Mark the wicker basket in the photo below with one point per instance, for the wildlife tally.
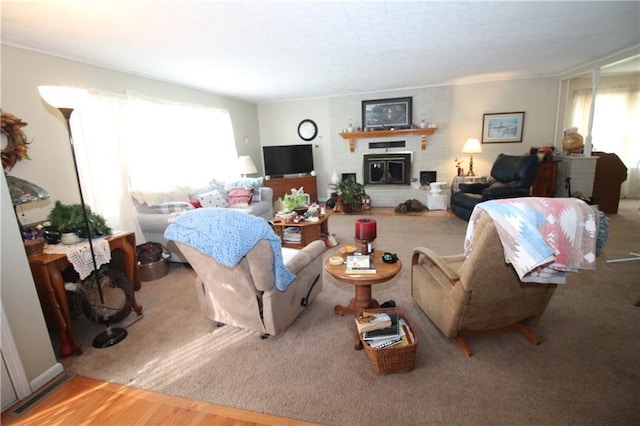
(392, 359)
(34, 247)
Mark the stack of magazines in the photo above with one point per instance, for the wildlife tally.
(384, 330)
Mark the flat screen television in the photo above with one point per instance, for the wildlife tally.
(280, 160)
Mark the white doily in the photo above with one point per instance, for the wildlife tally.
(79, 255)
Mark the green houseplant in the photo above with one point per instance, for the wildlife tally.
(297, 199)
(351, 195)
(69, 218)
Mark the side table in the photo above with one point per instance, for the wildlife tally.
(47, 270)
(308, 231)
(457, 180)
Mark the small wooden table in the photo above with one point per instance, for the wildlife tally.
(309, 231)
(47, 270)
(363, 283)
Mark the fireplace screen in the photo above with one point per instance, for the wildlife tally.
(387, 169)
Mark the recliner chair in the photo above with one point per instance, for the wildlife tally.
(478, 295)
(245, 294)
(511, 176)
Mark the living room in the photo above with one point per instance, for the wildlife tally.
(457, 111)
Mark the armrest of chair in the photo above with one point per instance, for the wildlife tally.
(504, 192)
(439, 261)
(266, 194)
(305, 256)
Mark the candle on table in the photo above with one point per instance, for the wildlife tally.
(366, 229)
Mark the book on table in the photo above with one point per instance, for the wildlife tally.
(368, 321)
(359, 264)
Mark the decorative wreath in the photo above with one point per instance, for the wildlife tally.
(16, 148)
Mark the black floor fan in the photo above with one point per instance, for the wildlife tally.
(65, 99)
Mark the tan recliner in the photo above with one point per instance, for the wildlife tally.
(246, 296)
(479, 295)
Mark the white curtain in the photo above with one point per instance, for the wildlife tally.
(127, 142)
(616, 128)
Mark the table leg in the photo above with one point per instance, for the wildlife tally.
(68, 343)
(363, 300)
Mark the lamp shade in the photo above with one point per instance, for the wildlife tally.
(246, 165)
(63, 97)
(23, 192)
(472, 146)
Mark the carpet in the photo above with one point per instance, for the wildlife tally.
(586, 370)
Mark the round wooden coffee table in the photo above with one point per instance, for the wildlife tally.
(363, 282)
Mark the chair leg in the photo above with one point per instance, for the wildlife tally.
(519, 326)
(463, 345)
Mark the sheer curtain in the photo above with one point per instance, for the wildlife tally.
(616, 128)
(129, 142)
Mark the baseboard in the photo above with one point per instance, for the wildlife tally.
(44, 378)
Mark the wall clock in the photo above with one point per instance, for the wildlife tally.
(307, 130)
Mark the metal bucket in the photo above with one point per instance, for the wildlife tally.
(154, 270)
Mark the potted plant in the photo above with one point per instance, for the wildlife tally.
(351, 195)
(297, 200)
(69, 218)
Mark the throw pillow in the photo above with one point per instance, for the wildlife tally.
(247, 183)
(240, 197)
(215, 198)
(195, 203)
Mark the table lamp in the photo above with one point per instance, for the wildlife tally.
(246, 166)
(23, 192)
(472, 146)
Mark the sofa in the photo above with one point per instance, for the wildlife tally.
(155, 210)
(511, 177)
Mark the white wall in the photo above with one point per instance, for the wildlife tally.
(19, 296)
(279, 126)
(456, 110)
(536, 97)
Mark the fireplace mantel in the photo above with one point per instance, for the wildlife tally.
(423, 133)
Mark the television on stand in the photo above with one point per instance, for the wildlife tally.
(283, 160)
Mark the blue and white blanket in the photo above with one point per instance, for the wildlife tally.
(228, 235)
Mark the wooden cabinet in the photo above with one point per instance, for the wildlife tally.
(423, 133)
(283, 186)
(545, 183)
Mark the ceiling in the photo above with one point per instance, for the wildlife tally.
(263, 51)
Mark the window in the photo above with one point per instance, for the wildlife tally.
(616, 127)
(125, 142)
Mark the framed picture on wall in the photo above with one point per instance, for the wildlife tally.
(387, 113)
(502, 127)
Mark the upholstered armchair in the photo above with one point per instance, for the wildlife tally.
(511, 177)
(247, 291)
(478, 295)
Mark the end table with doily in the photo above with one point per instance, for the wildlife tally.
(47, 269)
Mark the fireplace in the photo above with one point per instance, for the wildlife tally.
(387, 168)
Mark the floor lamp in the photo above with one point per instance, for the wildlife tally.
(66, 99)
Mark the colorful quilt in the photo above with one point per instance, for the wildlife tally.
(543, 238)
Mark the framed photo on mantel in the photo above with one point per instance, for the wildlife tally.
(502, 127)
(387, 113)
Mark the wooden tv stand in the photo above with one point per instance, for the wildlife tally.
(283, 186)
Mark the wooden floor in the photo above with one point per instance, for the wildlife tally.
(85, 401)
